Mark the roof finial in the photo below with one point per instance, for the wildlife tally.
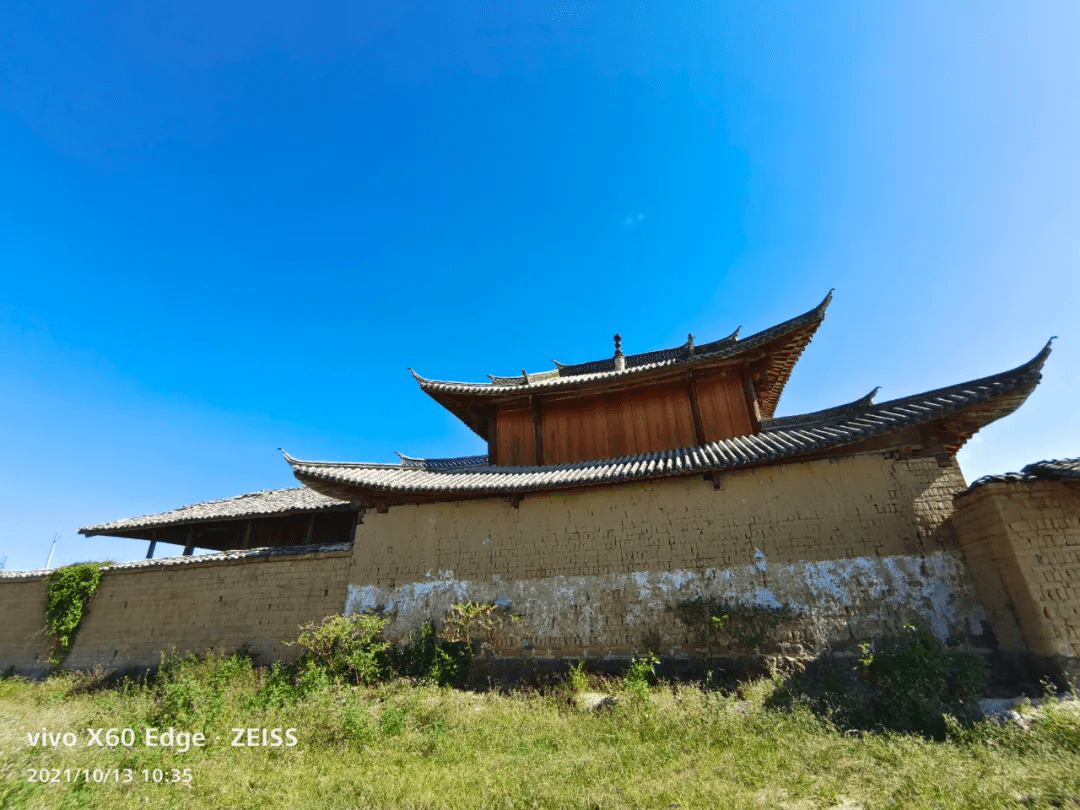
(620, 358)
(690, 342)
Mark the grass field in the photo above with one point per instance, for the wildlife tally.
(405, 744)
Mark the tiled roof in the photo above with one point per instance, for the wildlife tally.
(194, 559)
(1056, 469)
(777, 348)
(252, 504)
(580, 373)
(963, 409)
(1062, 469)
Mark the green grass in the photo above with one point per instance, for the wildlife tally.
(400, 744)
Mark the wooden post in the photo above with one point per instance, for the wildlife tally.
(153, 545)
(310, 530)
(493, 440)
(247, 534)
(190, 547)
(751, 402)
(695, 410)
(538, 425)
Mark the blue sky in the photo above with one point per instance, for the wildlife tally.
(230, 227)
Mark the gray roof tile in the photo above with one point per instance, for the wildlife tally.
(251, 504)
(1061, 469)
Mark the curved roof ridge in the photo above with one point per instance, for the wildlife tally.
(849, 408)
(569, 373)
(1032, 368)
(441, 463)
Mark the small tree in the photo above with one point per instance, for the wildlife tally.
(348, 647)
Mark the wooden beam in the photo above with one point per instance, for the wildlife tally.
(153, 545)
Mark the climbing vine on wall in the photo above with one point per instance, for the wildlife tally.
(68, 592)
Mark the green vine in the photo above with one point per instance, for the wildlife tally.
(748, 625)
(68, 592)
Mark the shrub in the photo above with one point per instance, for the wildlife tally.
(908, 682)
(344, 647)
(482, 618)
(432, 659)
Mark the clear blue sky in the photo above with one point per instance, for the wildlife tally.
(230, 227)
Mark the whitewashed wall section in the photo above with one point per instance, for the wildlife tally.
(850, 599)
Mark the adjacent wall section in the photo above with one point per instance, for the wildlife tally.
(856, 546)
(1021, 541)
(221, 601)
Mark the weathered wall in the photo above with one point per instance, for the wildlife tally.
(1021, 541)
(218, 601)
(23, 644)
(857, 545)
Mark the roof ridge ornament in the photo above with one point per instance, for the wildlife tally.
(690, 343)
(620, 358)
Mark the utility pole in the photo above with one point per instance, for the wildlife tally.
(56, 537)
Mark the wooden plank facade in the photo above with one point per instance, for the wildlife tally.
(565, 429)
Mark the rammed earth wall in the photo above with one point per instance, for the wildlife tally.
(191, 604)
(855, 546)
(1021, 542)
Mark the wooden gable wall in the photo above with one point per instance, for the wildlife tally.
(618, 423)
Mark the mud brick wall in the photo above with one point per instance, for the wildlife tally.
(858, 545)
(190, 604)
(23, 644)
(1021, 542)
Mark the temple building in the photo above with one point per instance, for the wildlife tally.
(613, 491)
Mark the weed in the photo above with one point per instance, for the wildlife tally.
(579, 678)
(392, 721)
(357, 723)
(639, 675)
(908, 682)
(747, 625)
